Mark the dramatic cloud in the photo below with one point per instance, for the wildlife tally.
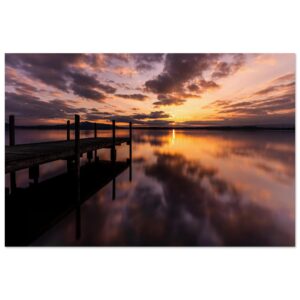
(274, 104)
(203, 85)
(153, 118)
(184, 73)
(87, 86)
(152, 115)
(26, 106)
(262, 90)
(146, 61)
(21, 87)
(166, 100)
(50, 69)
(179, 69)
(57, 70)
(275, 88)
(278, 110)
(88, 93)
(139, 97)
(224, 69)
(261, 107)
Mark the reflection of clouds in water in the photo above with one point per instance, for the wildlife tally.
(209, 188)
(201, 209)
(154, 137)
(272, 153)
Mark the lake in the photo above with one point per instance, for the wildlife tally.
(189, 188)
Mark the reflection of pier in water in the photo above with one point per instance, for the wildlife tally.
(31, 211)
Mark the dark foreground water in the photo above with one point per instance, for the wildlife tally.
(206, 188)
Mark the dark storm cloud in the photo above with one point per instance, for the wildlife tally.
(27, 106)
(94, 114)
(194, 87)
(87, 86)
(139, 97)
(179, 69)
(146, 61)
(50, 69)
(84, 80)
(224, 69)
(88, 93)
(166, 100)
(203, 86)
(59, 71)
(153, 118)
(107, 88)
(142, 121)
(153, 115)
(208, 84)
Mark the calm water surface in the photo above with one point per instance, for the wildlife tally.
(212, 188)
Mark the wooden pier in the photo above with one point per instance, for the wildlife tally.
(32, 155)
(72, 188)
(27, 155)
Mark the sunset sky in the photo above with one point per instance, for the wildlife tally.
(152, 89)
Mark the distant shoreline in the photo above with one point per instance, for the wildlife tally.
(90, 126)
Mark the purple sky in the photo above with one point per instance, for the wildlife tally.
(152, 89)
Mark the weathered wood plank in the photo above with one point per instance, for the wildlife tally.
(26, 155)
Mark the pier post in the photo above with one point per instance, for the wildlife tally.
(89, 155)
(113, 155)
(95, 130)
(114, 186)
(68, 130)
(69, 160)
(34, 173)
(95, 136)
(13, 184)
(113, 152)
(130, 151)
(77, 173)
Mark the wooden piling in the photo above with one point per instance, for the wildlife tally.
(113, 155)
(130, 151)
(114, 132)
(69, 160)
(11, 130)
(89, 155)
(77, 173)
(114, 187)
(113, 158)
(95, 136)
(13, 184)
(68, 130)
(95, 130)
(34, 173)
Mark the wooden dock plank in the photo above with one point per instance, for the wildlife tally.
(26, 155)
